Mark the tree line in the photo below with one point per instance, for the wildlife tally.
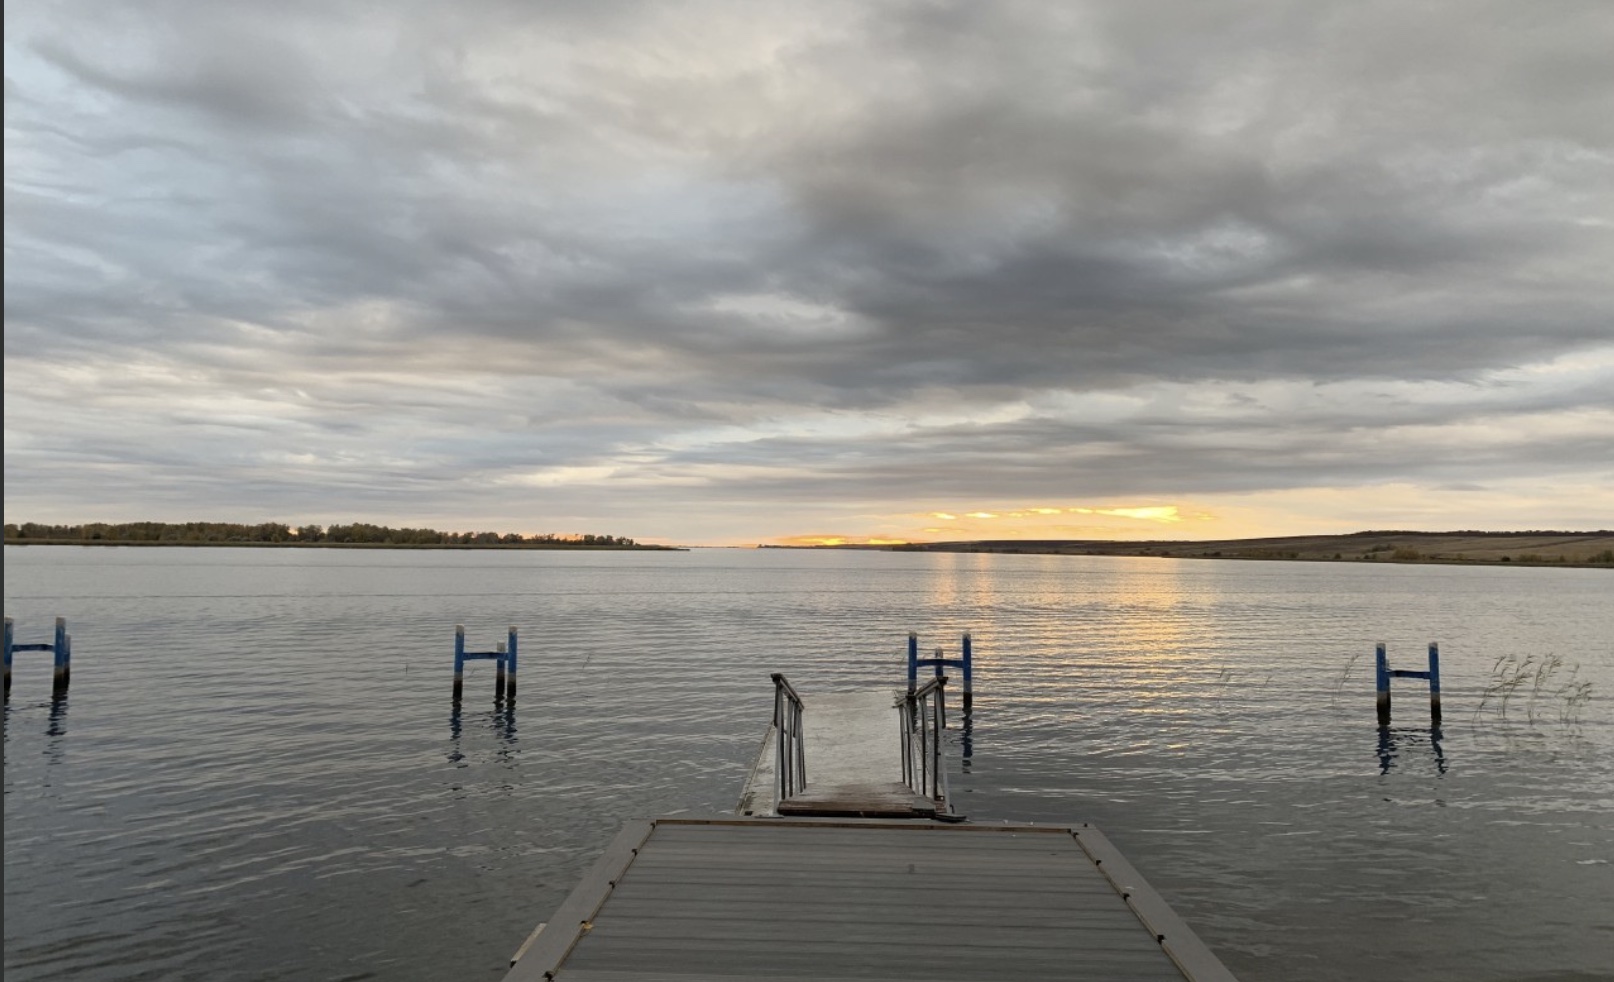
(276, 532)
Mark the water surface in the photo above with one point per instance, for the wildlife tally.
(258, 775)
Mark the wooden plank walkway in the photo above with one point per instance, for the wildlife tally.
(787, 900)
(854, 763)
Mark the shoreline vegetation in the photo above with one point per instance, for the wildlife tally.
(359, 535)
(1542, 548)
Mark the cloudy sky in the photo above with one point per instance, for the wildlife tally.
(721, 273)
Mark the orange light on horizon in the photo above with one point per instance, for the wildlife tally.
(839, 540)
(1150, 513)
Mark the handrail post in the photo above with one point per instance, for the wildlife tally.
(903, 740)
(801, 748)
(782, 778)
(922, 711)
(781, 750)
(924, 755)
(790, 754)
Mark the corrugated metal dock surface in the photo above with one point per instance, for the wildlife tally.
(826, 899)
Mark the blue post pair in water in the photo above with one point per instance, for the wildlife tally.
(61, 647)
(964, 661)
(504, 655)
(1384, 673)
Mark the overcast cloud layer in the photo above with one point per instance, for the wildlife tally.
(719, 273)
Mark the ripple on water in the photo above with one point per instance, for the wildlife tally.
(258, 774)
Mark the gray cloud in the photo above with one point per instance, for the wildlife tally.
(596, 260)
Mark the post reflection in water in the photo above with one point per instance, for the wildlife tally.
(1390, 745)
(58, 717)
(500, 720)
(966, 740)
(56, 731)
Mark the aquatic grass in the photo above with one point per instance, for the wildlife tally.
(1576, 693)
(1543, 678)
(1511, 675)
(1344, 677)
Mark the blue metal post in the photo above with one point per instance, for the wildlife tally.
(969, 677)
(8, 656)
(1434, 683)
(1382, 679)
(913, 661)
(510, 688)
(62, 673)
(459, 660)
(498, 679)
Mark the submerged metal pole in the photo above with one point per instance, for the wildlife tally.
(498, 680)
(510, 690)
(9, 630)
(1382, 679)
(913, 661)
(459, 661)
(1434, 683)
(62, 673)
(969, 676)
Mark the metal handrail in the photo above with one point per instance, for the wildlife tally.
(923, 711)
(790, 742)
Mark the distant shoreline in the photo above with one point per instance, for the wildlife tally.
(509, 546)
(1589, 550)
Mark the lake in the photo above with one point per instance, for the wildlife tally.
(258, 773)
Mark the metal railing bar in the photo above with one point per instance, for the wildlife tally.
(923, 711)
(790, 749)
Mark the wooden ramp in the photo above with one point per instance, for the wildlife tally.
(787, 900)
(853, 761)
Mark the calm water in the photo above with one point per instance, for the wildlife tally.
(257, 774)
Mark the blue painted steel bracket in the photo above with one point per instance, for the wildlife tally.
(505, 658)
(61, 648)
(1383, 673)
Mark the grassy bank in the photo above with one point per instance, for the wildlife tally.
(1584, 549)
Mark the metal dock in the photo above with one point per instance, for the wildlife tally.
(844, 861)
(826, 899)
(851, 738)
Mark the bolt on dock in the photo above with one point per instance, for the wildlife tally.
(844, 860)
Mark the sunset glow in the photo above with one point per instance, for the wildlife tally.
(864, 273)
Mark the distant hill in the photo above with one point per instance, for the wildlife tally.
(1543, 548)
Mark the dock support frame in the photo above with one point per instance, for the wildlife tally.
(1383, 673)
(965, 663)
(61, 647)
(503, 656)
